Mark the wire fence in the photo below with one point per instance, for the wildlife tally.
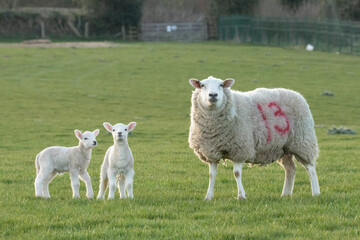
(331, 36)
(193, 31)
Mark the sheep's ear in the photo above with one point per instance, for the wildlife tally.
(195, 83)
(131, 126)
(96, 132)
(107, 126)
(78, 134)
(228, 82)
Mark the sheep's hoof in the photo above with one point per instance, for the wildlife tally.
(241, 198)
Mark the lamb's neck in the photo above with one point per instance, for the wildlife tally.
(121, 146)
(84, 152)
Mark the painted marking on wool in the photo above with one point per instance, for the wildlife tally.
(268, 138)
(278, 113)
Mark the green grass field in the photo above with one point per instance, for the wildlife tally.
(46, 93)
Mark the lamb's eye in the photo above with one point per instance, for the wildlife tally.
(113, 130)
(125, 129)
(202, 85)
(85, 138)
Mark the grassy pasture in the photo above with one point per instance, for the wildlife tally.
(46, 93)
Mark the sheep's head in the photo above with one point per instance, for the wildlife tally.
(211, 90)
(119, 131)
(87, 139)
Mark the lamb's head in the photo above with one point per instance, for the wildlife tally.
(119, 131)
(87, 139)
(211, 90)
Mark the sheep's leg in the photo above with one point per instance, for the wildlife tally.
(237, 173)
(129, 179)
(40, 182)
(102, 187)
(86, 178)
(311, 170)
(121, 186)
(46, 182)
(103, 182)
(75, 184)
(289, 166)
(212, 177)
(112, 184)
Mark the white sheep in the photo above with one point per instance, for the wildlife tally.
(118, 163)
(257, 127)
(53, 160)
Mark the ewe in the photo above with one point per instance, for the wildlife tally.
(257, 127)
(53, 160)
(118, 163)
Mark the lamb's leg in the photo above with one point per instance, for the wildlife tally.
(289, 166)
(75, 184)
(237, 173)
(212, 177)
(121, 186)
(129, 179)
(47, 181)
(40, 182)
(103, 182)
(86, 178)
(112, 184)
(311, 170)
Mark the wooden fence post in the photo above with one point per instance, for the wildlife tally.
(86, 30)
(42, 26)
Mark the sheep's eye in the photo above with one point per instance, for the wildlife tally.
(202, 85)
(125, 129)
(113, 130)
(85, 138)
(222, 85)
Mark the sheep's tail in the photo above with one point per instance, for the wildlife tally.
(37, 164)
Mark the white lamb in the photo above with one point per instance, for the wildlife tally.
(257, 127)
(118, 163)
(53, 160)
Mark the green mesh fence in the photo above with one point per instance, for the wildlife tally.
(332, 36)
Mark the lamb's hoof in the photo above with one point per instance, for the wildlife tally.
(100, 198)
(240, 198)
(316, 194)
(208, 198)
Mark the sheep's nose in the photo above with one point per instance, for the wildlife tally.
(213, 95)
(119, 133)
(94, 142)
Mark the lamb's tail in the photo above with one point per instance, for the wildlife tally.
(37, 164)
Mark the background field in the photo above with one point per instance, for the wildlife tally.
(46, 93)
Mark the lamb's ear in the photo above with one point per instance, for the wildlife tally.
(131, 126)
(228, 82)
(96, 132)
(78, 134)
(108, 126)
(195, 83)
